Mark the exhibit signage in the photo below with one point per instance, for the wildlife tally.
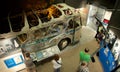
(14, 61)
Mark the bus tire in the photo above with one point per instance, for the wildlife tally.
(63, 44)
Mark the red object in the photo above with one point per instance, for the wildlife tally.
(106, 21)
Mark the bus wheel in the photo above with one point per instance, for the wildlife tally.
(63, 44)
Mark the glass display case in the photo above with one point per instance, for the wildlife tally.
(7, 46)
(43, 54)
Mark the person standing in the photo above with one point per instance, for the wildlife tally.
(100, 36)
(83, 67)
(57, 63)
(84, 56)
(30, 66)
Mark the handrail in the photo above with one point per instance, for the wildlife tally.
(102, 25)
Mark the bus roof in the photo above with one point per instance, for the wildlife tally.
(66, 12)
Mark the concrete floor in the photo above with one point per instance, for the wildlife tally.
(70, 56)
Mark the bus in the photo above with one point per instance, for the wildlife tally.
(45, 32)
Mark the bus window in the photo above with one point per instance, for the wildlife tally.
(55, 28)
(73, 24)
(37, 34)
(76, 24)
(5, 26)
(17, 23)
(22, 37)
(32, 19)
(45, 31)
(67, 12)
(61, 26)
(56, 13)
(70, 25)
(43, 15)
(40, 33)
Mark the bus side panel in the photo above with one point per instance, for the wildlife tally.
(77, 34)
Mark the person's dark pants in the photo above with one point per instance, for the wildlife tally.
(57, 70)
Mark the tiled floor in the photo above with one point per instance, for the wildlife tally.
(70, 56)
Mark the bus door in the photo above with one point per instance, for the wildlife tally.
(73, 29)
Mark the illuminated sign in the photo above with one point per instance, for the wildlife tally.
(14, 61)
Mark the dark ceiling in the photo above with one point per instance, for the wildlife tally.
(109, 4)
(7, 5)
(17, 5)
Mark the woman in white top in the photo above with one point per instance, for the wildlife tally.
(57, 63)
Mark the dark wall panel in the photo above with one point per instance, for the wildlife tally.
(115, 19)
(114, 23)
